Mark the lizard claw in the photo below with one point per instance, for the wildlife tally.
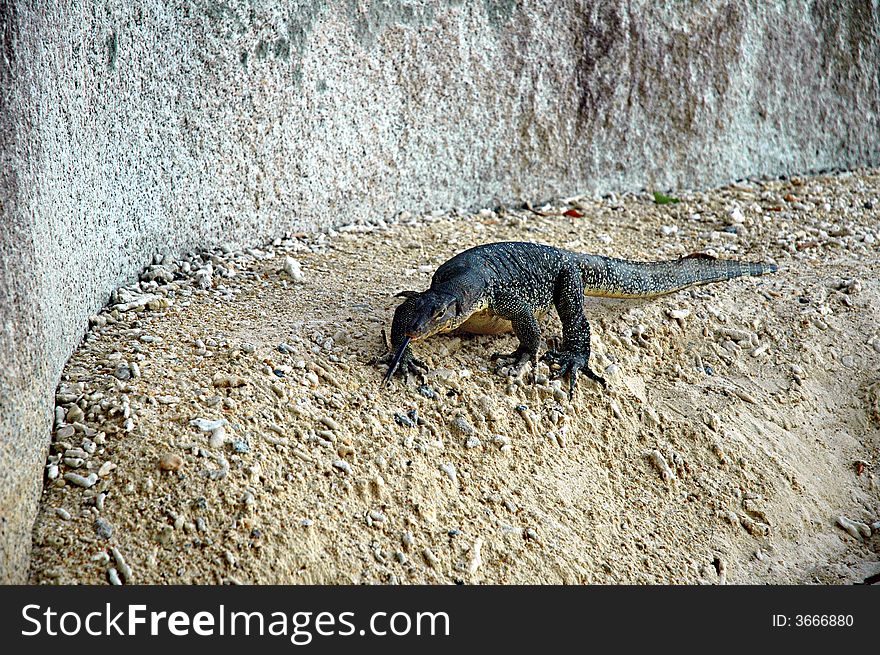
(402, 361)
(570, 363)
(517, 360)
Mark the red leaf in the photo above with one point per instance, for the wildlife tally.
(574, 213)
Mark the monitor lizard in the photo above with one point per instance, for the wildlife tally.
(505, 286)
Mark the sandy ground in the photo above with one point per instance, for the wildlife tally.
(234, 428)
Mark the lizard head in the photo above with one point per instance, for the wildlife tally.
(427, 313)
(421, 315)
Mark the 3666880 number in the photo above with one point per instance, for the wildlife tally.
(823, 620)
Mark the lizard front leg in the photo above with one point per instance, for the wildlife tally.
(568, 297)
(526, 329)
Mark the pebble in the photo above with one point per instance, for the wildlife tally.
(106, 468)
(74, 414)
(662, 465)
(461, 425)
(113, 576)
(293, 268)
(855, 528)
(121, 565)
(203, 278)
(432, 560)
(122, 372)
(206, 425)
(472, 442)
(64, 432)
(80, 481)
(342, 465)
(736, 216)
(329, 422)
(223, 380)
(103, 528)
(62, 513)
(403, 421)
(170, 462)
(449, 469)
(476, 559)
(427, 392)
(101, 557)
(745, 395)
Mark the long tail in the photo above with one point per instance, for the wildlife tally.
(621, 278)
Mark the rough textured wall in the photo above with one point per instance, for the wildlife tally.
(130, 128)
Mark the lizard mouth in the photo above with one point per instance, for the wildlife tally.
(395, 361)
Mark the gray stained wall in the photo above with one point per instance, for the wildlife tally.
(128, 128)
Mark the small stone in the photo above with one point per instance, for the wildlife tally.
(472, 442)
(102, 528)
(449, 469)
(170, 462)
(122, 371)
(403, 421)
(80, 481)
(113, 576)
(293, 268)
(64, 432)
(124, 568)
(105, 469)
(476, 559)
(461, 425)
(329, 422)
(662, 465)
(427, 392)
(856, 529)
(222, 380)
(432, 560)
(342, 465)
(206, 425)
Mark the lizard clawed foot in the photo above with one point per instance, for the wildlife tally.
(569, 364)
(408, 366)
(517, 360)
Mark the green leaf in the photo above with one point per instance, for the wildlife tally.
(662, 199)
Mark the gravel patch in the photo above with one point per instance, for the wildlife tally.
(223, 419)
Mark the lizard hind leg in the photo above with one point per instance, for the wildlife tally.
(574, 357)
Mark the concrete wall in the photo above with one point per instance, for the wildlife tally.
(129, 128)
